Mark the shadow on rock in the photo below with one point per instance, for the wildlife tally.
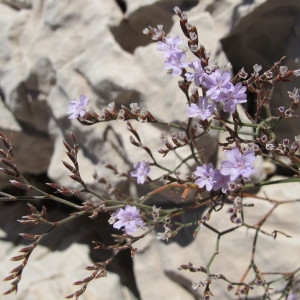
(82, 230)
(128, 33)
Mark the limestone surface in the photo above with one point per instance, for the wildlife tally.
(52, 52)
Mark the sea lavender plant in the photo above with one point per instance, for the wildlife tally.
(209, 89)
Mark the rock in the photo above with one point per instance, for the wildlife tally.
(61, 257)
(59, 54)
(49, 275)
(234, 248)
(252, 41)
(153, 281)
(18, 4)
(54, 51)
(33, 149)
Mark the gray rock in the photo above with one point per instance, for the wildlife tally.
(53, 51)
(268, 33)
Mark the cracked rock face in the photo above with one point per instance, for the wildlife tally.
(53, 51)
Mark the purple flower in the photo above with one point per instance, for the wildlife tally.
(141, 172)
(175, 63)
(129, 218)
(197, 76)
(217, 82)
(221, 181)
(170, 46)
(173, 54)
(206, 176)
(235, 95)
(77, 108)
(202, 109)
(238, 164)
(292, 296)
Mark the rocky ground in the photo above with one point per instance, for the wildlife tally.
(53, 51)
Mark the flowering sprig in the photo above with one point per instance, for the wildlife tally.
(236, 166)
(77, 110)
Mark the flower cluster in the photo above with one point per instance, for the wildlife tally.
(216, 85)
(236, 165)
(170, 46)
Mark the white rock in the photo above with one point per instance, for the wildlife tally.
(234, 253)
(53, 51)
